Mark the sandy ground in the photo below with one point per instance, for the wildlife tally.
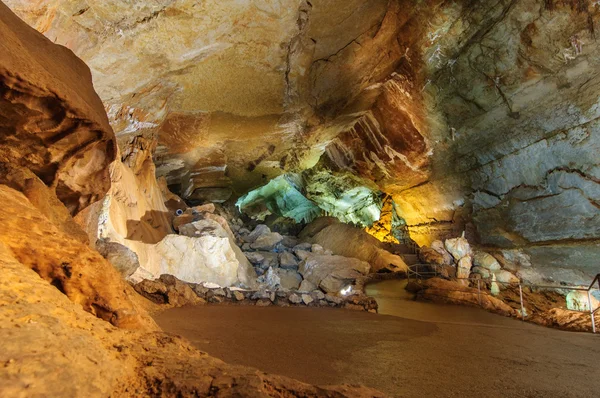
(424, 350)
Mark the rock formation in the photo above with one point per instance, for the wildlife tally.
(56, 147)
(52, 121)
(478, 117)
(64, 309)
(346, 240)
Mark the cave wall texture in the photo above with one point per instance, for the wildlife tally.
(473, 115)
(56, 145)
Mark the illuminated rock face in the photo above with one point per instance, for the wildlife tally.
(479, 116)
(51, 120)
(55, 148)
(282, 195)
(305, 197)
(515, 163)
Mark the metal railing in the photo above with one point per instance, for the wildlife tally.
(431, 271)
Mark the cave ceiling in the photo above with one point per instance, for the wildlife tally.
(238, 92)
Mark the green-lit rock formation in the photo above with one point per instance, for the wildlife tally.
(305, 197)
(283, 196)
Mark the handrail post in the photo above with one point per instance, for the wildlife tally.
(521, 297)
(479, 291)
(591, 312)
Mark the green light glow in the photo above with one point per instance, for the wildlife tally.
(306, 197)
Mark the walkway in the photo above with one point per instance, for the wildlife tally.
(424, 350)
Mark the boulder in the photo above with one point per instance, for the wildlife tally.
(334, 299)
(289, 279)
(271, 259)
(263, 303)
(121, 257)
(258, 231)
(487, 261)
(288, 261)
(452, 292)
(289, 241)
(302, 246)
(262, 293)
(307, 299)
(270, 279)
(317, 249)
(350, 241)
(429, 256)
(458, 247)
(255, 257)
(168, 290)
(205, 208)
(192, 214)
(505, 277)
(205, 252)
(438, 246)
(238, 296)
(413, 287)
(183, 219)
(494, 288)
(295, 298)
(201, 228)
(577, 300)
(303, 254)
(266, 241)
(306, 286)
(332, 273)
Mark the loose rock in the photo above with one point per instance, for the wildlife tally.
(267, 241)
(307, 299)
(294, 298)
(288, 260)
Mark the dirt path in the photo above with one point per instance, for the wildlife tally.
(465, 352)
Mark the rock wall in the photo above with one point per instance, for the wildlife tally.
(516, 163)
(51, 119)
(133, 212)
(55, 147)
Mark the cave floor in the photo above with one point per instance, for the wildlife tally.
(424, 349)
